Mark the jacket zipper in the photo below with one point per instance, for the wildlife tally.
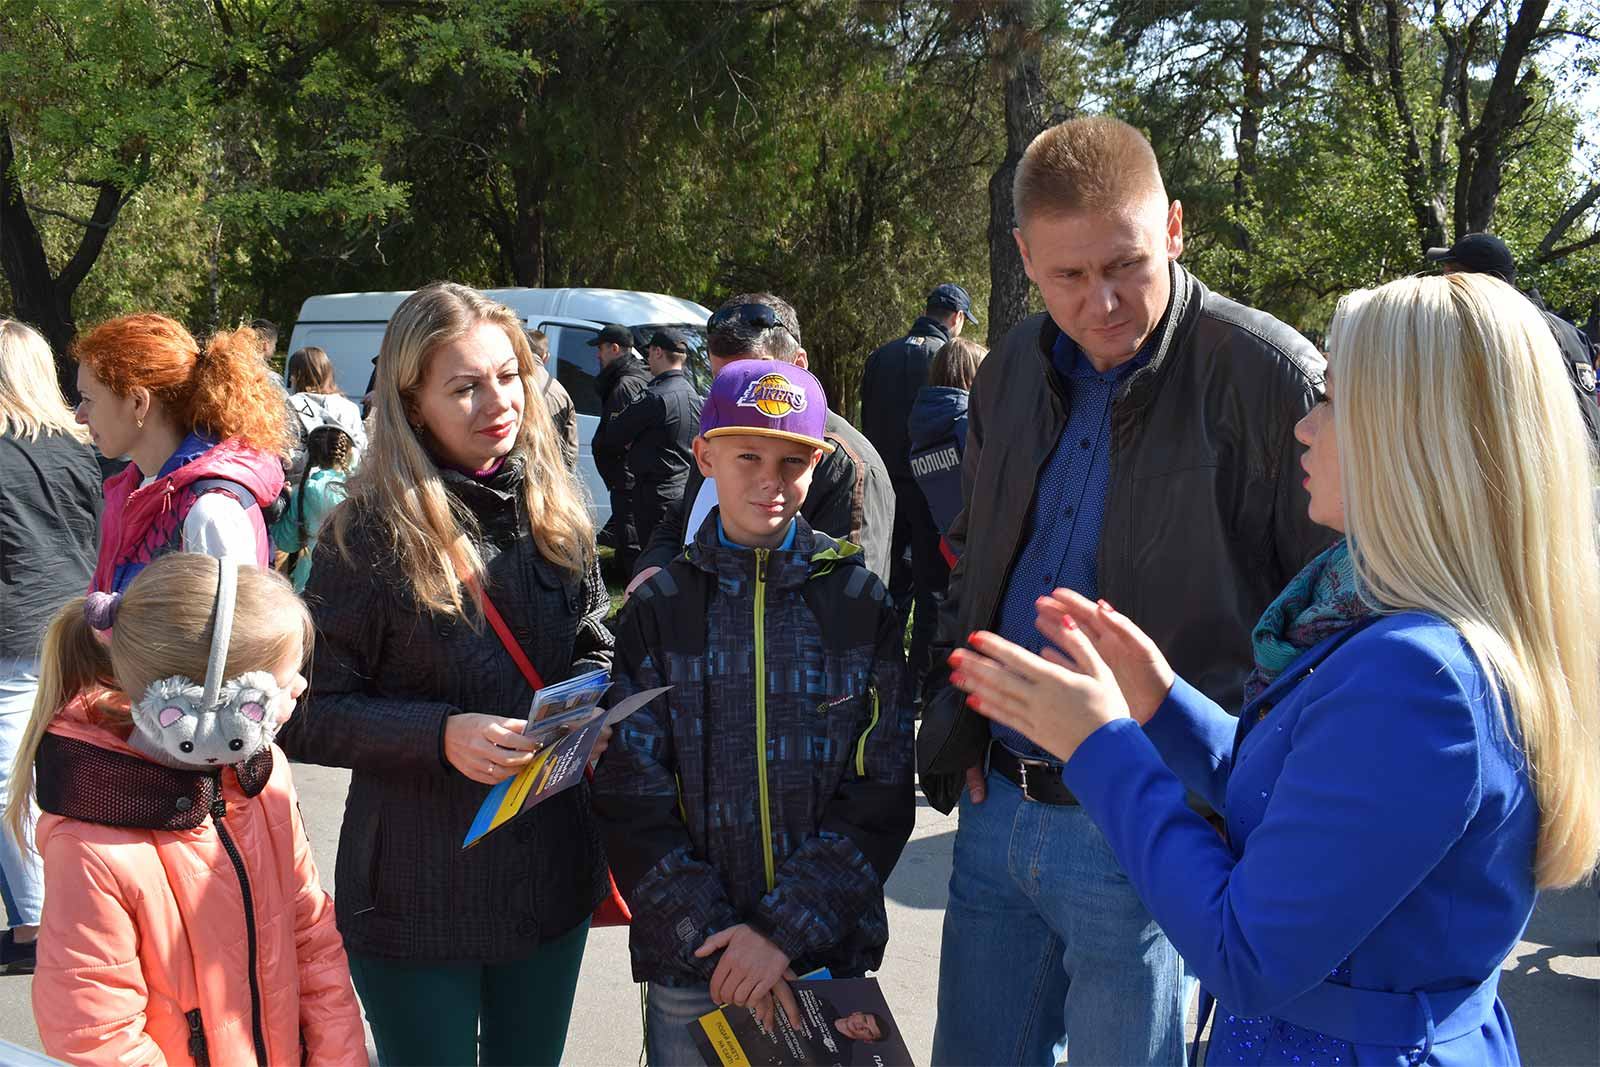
(861, 746)
(219, 808)
(197, 1040)
(761, 717)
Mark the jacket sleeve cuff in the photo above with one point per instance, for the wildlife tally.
(1098, 770)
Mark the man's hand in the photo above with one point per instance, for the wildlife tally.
(750, 973)
(977, 788)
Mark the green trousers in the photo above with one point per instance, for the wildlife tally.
(462, 1014)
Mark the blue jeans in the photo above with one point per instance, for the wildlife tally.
(1048, 952)
(667, 1015)
(21, 869)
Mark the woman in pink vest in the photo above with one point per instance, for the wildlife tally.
(204, 429)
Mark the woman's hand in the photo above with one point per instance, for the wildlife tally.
(1141, 671)
(487, 748)
(1053, 700)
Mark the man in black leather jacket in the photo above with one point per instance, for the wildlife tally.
(1135, 443)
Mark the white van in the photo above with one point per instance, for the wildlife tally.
(349, 327)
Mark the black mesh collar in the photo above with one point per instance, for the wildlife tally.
(83, 781)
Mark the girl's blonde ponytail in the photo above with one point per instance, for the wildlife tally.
(72, 659)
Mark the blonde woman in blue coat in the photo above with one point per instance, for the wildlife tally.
(1418, 753)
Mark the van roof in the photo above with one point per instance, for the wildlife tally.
(595, 305)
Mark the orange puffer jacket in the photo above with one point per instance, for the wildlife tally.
(145, 956)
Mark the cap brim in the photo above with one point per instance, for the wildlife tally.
(1437, 254)
(763, 431)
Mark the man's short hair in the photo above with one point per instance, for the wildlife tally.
(1088, 164)
(735, 340)
(267, 330)
(539, 341)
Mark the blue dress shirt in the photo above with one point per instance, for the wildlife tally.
(1061, 541)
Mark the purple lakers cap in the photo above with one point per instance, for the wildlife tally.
(769, 399)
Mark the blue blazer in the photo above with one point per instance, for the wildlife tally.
(1378, 866)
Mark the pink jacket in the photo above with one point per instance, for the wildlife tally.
(137, 524)
(144, 954)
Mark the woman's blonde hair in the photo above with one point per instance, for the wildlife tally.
(1467, 488)
(432, 535)
(30, 396)
(956, 365)
(162, 629)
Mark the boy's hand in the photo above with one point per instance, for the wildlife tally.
(750, 973)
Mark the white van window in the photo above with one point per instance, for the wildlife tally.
(351, 347)
(576, 364)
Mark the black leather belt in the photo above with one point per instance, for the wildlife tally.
(1039, 780)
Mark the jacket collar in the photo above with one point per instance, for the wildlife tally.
(1182, 305)
(928, 327)
(606, 380)
(491, 498)
(86, 770)
(811, 555)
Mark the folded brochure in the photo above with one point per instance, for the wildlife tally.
(844, 1022)
(566, 719)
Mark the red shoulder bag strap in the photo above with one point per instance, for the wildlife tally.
(503, 632)
(612, 910)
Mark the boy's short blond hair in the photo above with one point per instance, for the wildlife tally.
(1089, 164)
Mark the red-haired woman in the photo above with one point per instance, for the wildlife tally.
(204, 429)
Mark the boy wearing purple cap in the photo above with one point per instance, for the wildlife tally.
(753, 813)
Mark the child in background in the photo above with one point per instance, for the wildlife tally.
(330, 457)
(753, 813)
(186, 923)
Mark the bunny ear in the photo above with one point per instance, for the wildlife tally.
(254, 711)
(169, 715)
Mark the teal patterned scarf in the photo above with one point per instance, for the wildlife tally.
(1317, 603)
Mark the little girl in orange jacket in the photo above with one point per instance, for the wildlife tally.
(184, 922)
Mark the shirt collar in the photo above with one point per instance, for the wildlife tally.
(1067, 359)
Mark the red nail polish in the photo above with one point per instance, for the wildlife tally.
(973, 701)
(958, 679)
(975, 639)
(1066, 621)
(1105, 605)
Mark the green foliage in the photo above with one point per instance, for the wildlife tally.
(837, 153)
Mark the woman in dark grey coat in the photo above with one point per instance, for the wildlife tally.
(49, 513)
(460, 956)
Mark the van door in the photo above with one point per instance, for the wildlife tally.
(577, 368)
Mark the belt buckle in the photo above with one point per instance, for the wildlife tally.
(1022, 773)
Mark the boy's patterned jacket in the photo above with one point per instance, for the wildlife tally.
(773, 784)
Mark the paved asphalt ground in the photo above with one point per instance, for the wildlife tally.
(1551, 983)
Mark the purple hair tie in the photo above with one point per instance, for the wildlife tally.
(100, 610)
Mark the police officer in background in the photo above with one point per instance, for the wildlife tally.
(621, 381)
(1484, 253)
(658, 431)
(889, 386)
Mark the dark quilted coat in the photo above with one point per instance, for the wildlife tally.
(384, 678)
(679, 793)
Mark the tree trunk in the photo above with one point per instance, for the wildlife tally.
(1251, 106)
(1510, 94)
(38, 299)
(527, 228)
(44, 300)
(1025, 118)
